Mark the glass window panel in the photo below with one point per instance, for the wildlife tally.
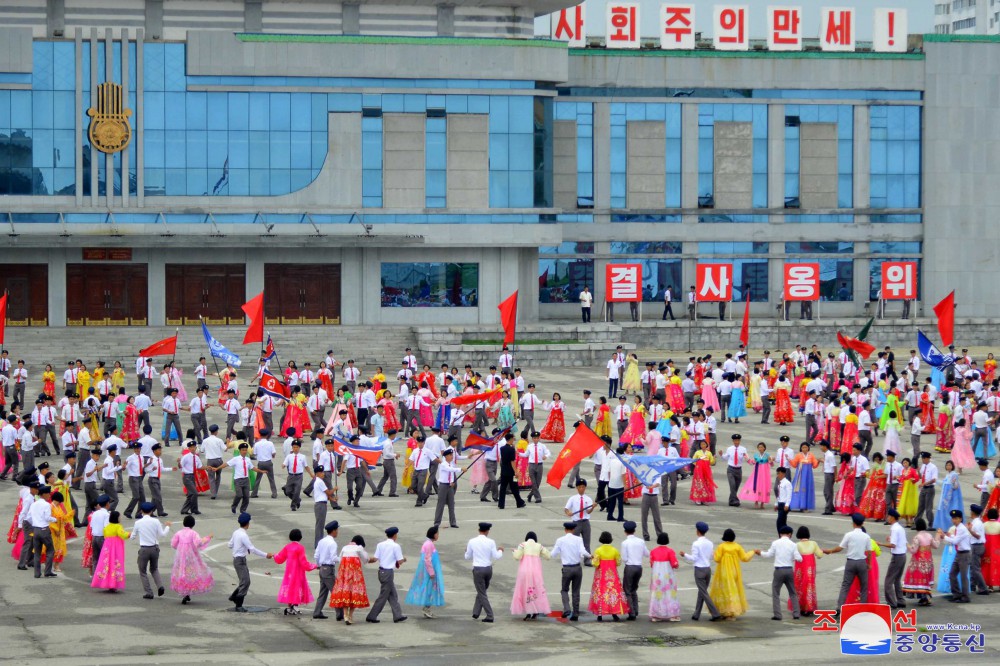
(153, 110)
(280, 181)
(476, 103)
(279, 106)
(20, 109)
(239, 183)
(749, 276)
(562, 280)
(175, 113)
(717, 247)
(821, 247)
(197, 151)
(407, 285)
(175, 150)
(836, 278)
(197, 110)
(650, 247)
(499, 115)
(217, 111)
(64, 107)
(154, 148)
(568, 247)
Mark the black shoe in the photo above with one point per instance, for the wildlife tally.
(717, 618)
(483, 499)
(128, 515)
(163, 515)
(901, 605)
(475, 617)
(488, 619)
(630, 618)
(321, 617)
(233, 508)
(20, 568)
(393, 495)
(160, 592)
(566, 613)
(402, 619)
(455, 526)
(521, 505)
(240, 609)
(983, 592)
(775, 617)
(185, 600)
(368, 619)
(147, 596)
(53, 575)
(574, 618)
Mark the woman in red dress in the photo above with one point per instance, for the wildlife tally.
(606, 596)
(389, 407)
(702, 483)
(699, 372)
(844, 502)
(805, 572)
(927, 413)
(919, 577)
(873, 499)
(782, 402)
(349, 591)
(430, 378)
(991, 557)
(555, 426)
(325, 376)
(130, 427)
(633, 489)
(854, 594)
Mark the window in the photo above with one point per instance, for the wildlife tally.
(621, 114)
(430, 285)
(895, 156)
(649, 247)
(562, 280)
(708, 115)
(371, 158)
(568, 247)
(657, 275)
(512, 150)
(819, 247)
(709, 247)
(583, 114)
(843, 116)
(436, 159)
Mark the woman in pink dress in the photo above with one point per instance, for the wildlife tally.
(477, 472)
(709, 395)
(529, 598)
(961, 453)
(636, 429)
(757, 488)
(844, 502)
(190, 575)
(425, 398)
(294, 588)
(109, 572)
(130, 422)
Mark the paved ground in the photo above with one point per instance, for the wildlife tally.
(64, 619)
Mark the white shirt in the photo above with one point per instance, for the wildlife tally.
(917, 428)
(40, 514)
(134, 465)
(198, 404)
(108, 473)
(264, 450)
(580, 506)
(864, 421)
(388, 450)
(634, 551)
(420, 458)
(446, 472)
(830, 462)
(783, 457)
(155, 468)
(241, 545)
(241, 467)
(143, 402)
(612, 369)
(326, 551)
(622, 412)
(897, 537)
(735, 455)
(701, 553)
(388, 553)
(980, 419)
(8, 435)
(784, 551)
(319, 490)
(295, 463)
(977, 527)
(928, 473)
(149, 531)
(893, 470)
(615, 469)
(958, 536)
(586, 298)
(988, 479)
(570, 550)
(785, 492)
(482, 550)
(856, 543)
(27, 441)
(529, 401)
(171, 405)
(213, 447)
(860, 466)
(190, 462)
(536, 452)
(98, 521)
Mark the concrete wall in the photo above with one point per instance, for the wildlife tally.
(564, 163)
(404, 173)
(468, 162)
(646, 164)
(733, 165)
(818, 165)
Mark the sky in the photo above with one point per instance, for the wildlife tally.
(920, 14)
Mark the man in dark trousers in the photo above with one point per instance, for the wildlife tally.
(508, 479)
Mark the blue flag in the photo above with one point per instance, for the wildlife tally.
(649, 469)
(931, 355)
(216, 349)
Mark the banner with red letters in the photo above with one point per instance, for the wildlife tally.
(623, 282)
(713, 283)
(802, 282)
(899, 280)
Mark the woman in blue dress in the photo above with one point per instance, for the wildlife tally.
(951, 498)
(991, 447)
(803, 487)
(737, 401)
(881, 398)
(427, 588)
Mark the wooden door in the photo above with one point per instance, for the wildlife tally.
(27, 287)
(212, 291)
(106, 294)
(302, 294)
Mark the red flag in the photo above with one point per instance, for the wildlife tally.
(508, 317)
(583, 443)
(273, 386)
(3, 316)
(473, 397)
(254, 309)
(945, 311)
(854, 344)
(745, 331)
(165, 347)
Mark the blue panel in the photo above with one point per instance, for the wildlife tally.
(280, 150)
(259, 113)
(154, 149)
(239, 111)
(259, 151)
(174, 109)
(197, 110)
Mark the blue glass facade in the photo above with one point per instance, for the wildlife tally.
(622, 113)
(843, 117)
(708, 115)
(895, 156)
(583, 114)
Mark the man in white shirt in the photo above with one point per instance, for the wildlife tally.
(734, 456)
(108, 471)
(327, 556)
(295, 465)
(622, 412)
(785, 554)
(893, 588)
(188, 464)
(135, 469)
(578, 508)
(154, 470)
(242, 467)
(483, 551)
(812, 430)
(989, 478)
(893, 470)
(40, 517)
(421, 460)
(214, 449)
(264, 452)
(20, 379)
(783, 502)
(977, 532)
(613, 376)
(528, 403)
(586, 302)
(959, 537)
(198, 406)
(389, 456)
(634, 553)
(615, 472)
(928, 472)
(588, 411)
(149, 530)
(857, 543)
(859, 467)
(241, 546)
(8, 436)
(98, 521)
(536, 453)
(980, 429)
(691, 304)
(143, 402)
(316, 405)
(571, 552)
(351, 375)
(171, 417)
(447, 480)
(701, 556)
(390, 557)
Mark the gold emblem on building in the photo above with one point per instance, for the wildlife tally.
(109, 129)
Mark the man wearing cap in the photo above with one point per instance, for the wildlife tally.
(535, 453)
(651, 505)
(977, 533)
(264, 452)
(447, 479)
(508, 481)
(198, 406)
(390, 557)
(91, 483)
(528, 403)
(295, 465)
(40, 519)
(321, 493)
(987, 483)
(241, 546)
(928, 472)
(108, 471)
(171, 416)
(893, 587)
(483, 551)
(233, 412)
(135, 469)
(492, 461)
(214, 449)
(634, 552)
(893, 470)
(242, 467)
(154, 470)
(785, 554)
(433, 447)
(578, 508)
(188, 464)
(98, 521)
(734, 455)
(389, 456)
(701, 557)
(857, 543)
(149, 530)
(783, 501)
(571, 551)
(327, 556)
(959, 537)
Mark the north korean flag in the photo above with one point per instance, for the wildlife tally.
(273, 386)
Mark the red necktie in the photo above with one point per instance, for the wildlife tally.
(534, 455)
(295, 464)
(923, 474)
(420, 452)
(889, 482)
(581, 507)
(245, 472)
(159, 469)
(140, 464)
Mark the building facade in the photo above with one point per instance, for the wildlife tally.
(379, 163)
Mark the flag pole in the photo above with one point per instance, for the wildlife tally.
(174, 355)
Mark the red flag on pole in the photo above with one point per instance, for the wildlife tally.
(165, 347)
(3, 317)
(254, 309)
(508, 317)
(583, 443)
(859, 346)
(745, 330)
(945, 311)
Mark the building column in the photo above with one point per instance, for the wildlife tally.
(602, 156)
(57, 287)
(776, 156)
(156, 298)
(862, 157)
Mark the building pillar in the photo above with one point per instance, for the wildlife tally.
(156, 298)
(57, 287)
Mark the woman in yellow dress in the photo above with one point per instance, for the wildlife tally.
(99, 372)
(82, 381)
(49, 382)
(631, 382)
(64, 518)
(726, 589)
(117, 377)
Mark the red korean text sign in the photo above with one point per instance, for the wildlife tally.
(622, 29)
(730, 30)
(714, 282)
(784, 28)
(569, 25)
(801, 282)
(676, 26)
(623, 282)
(899, 280)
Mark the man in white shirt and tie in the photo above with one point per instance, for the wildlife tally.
(148, 531)
(578, 508)
(865, 429)
(734, 456)
(135, 469)
(296, 465)
(421, 460)
(571, 551)
(214, 449)
(859, 466)
(327, 556)
(959, 537)
(241, 546)
(242, 465)
(622, 413)
(447, 479)
(316, 405)
(782, 457)
(536, 453)
(857, 543)
(264, 452)
(483, 551)
(651, 505)
(40, 517)
(390, 557)
(784, 500)
(198, 406)
(528, 403)
(154, 470)
(171, 417)
(108, 471)
(389, 456)
(701, 557)
(634, 553)
(893, 588)
(927, 483)
(785, 554)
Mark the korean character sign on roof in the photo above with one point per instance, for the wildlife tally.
(889, 31)
(802, 282)
(714, 283)
(837, 28)
(784, 28)
(622, 25)
(899, 280)
(569, 25)
(623, 282)
(729, 27)
(676, 26)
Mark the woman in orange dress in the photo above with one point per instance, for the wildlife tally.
(782, 402)
(927, 413)
(873, 500)
(989, 369)
(702, 483)
(844, 502)
(555, 427)
(349, 590)
(430, 378)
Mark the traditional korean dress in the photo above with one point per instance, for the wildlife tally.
(529, 595)
(349, 590)
(130, 423)
(833, 429)
(709, 395)
(636, 429)
(427, 588)
(727, 590)
(117, 379)
(602, 428)
(737, 402)
(190, 576)
(407, 477)
(891, 441)
(505, 416)
(294, 588)
(109, 572)
(521, 466)
(631, 382)
(950, 499)
(702, 483)
(49, 383)
(927, 414)
(87, 555)
(844, 501)
(909, 495)
(606, 596)
(945, 430)
(756, 403)
(891, 405)
(782, 403)
(873, 499)
(854, 594)
(805, 576)
(555, 426)
(919, 576)
(757, 487)
(961, 453)
(989, 370)
(675, 394)
(64, 518)
(803, 485)
(991, 556)
(391, 417)
(663, 604)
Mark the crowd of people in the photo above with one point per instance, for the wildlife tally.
(439, 422)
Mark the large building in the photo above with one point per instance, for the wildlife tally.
(966, 17)
(415, 163)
